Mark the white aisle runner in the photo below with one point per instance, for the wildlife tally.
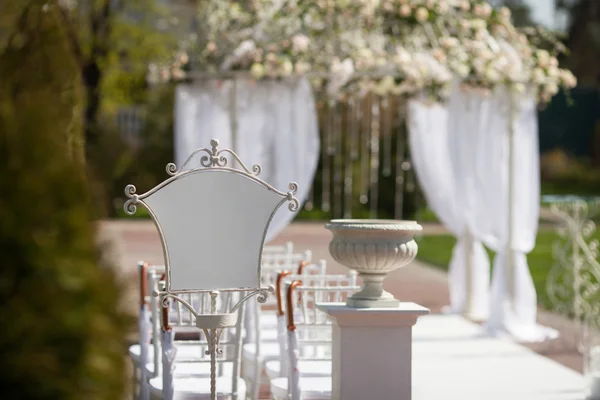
(452, 359)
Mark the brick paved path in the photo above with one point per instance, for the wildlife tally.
(132, 241)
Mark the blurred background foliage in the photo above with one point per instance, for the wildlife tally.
(63, 331)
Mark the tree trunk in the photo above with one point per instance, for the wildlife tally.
(91, 76)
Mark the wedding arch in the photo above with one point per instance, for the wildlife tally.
(456, 73)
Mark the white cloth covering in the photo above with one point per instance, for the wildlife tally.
(444, 169)
(276, 128)
(461, 155)
(145, 330)
(169, 352)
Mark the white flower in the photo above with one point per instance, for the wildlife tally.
(442, 6)
(553, 72)
(538, 76)
(449, 42)
(422, 14)
(165, 75)
(481, 34)
(553, 62)
(543, 58)
(244, 48)
(302, 67)
(385, 86)
(483, 10)
(439, 55)
(479, 65)
(405, 10)
(505, 13)
(211, 47)
(183, 58)
(257, 70)
(551, 88)
(465, 5)
(461, 69)
(485, 54)
(177, 73)
(153, 74)
(271, 57)
(300, 42)
(287, 68)
(380, 61)
(341, 73)
(492, 75)
(402, 56)
(567, 78)
(519, 87)
(478, 24)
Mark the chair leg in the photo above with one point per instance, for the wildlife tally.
(134, 378)
(257, 378)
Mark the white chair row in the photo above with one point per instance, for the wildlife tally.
(148, 355)
(304, 368)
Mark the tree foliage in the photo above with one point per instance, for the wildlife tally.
(113, 42)
(63, 333)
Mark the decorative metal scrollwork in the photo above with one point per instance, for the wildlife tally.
(573, 283)
(214, 158)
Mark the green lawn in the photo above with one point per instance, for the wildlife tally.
(437, 250)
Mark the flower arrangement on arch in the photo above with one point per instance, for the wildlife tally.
(405, 47)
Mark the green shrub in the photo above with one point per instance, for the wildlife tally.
(62, 332)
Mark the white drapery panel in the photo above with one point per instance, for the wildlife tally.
(461, 157)
(513, 303)
(444, 170)
(273, 124)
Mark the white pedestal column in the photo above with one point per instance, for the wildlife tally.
(372, 351)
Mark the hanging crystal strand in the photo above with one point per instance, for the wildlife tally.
(400, 163)
(351, 154)
(337, 157)
(327, 152)
(374, 178)
(387, 135)
(364, 156)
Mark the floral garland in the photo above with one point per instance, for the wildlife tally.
(403, 47)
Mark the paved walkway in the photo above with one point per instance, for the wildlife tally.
(132, 241)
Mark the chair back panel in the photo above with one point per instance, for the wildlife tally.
(213, 236)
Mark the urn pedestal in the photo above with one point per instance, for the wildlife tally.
(373, 248)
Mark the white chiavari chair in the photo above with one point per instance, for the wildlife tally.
(273, 261)
(140, 353)
(340, 285)
(213, 240)
(185, 364)
(308, 341)
(286, 248)
(265, 347)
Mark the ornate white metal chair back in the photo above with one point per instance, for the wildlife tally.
(212, 222)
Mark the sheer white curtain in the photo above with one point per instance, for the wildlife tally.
(461, 157)
(276, 128)
(513, 304)
(444, 169)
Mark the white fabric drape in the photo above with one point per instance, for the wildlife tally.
(276, 128)
(294, 389)
(169, 352)
(514, 314)
(461, 157)
(145, 328)
(444, 170)
(282, 340)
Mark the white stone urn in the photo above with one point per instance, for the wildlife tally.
(373, 248)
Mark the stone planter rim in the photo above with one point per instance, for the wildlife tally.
(374, 225)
